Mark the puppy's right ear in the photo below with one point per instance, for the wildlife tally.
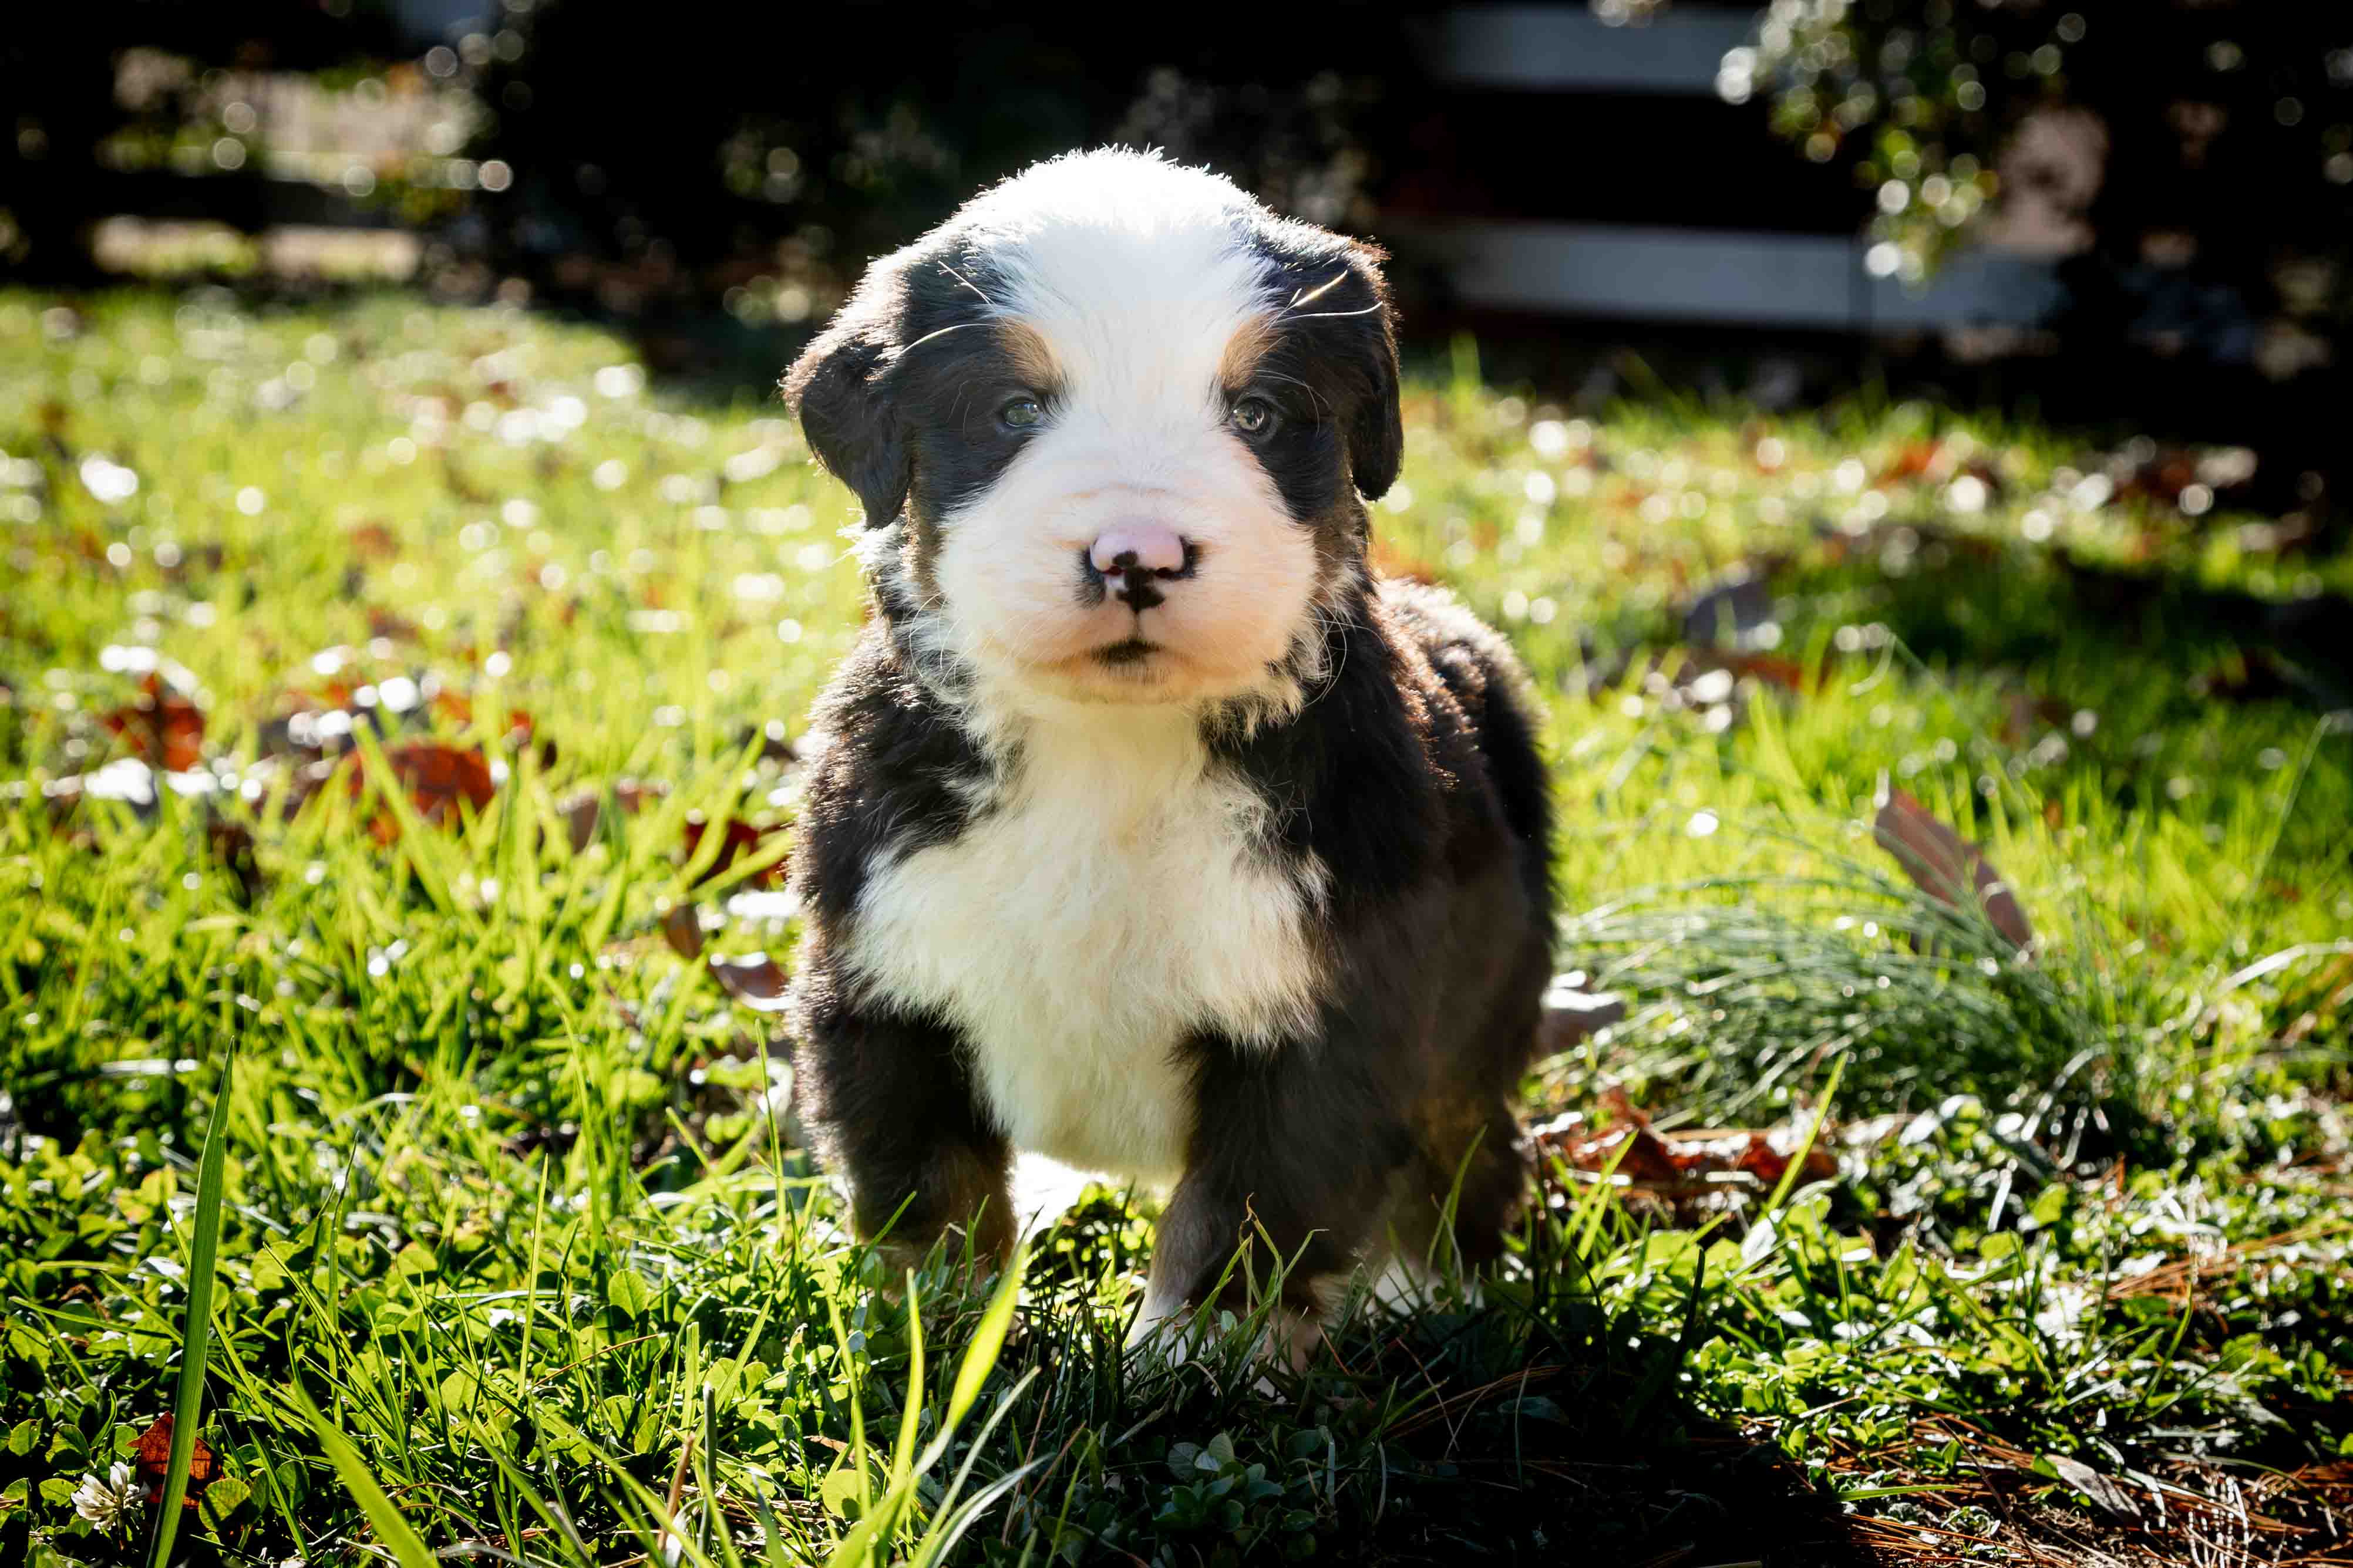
(837, 386)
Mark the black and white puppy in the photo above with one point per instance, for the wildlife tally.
(1150, 831)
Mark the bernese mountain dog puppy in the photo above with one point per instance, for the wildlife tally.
(1149, 829)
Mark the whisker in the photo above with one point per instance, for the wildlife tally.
(968, 283)
(1311, 295)
(943, 332)
(1323, 315)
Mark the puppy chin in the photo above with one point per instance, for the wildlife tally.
(1134, 673)
(1106, 655)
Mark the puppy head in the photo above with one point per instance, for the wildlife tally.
(1110, 423)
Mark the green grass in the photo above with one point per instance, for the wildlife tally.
(517, 1255)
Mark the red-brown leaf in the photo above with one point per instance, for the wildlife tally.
(682, 928)
(374, 542)
(1768, 1164)
(454, 707)
(1916, 459)
(438, 778)
(1948, 868)
(1770, 669)
(740, 838)
(1647, 1159)
(755, 980)
(153, 1454)
(162, 728)
(585, 811)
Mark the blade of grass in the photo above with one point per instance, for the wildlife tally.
(1806, 1146)
(196, 1333)
(393, 1531)
(979, 1357)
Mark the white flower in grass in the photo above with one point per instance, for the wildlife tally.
(110, 1503)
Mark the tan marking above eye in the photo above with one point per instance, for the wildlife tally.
(1033, 358)
(1244, 350)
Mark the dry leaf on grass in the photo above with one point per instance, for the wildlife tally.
(435, 776)
(162, 726)
(740, 838)
(681, 927)
(755, 979)
(438, 777)
(583, 812)
(1685, 1172)
(2103, 1491)
(1946, 866)
(153, 1454)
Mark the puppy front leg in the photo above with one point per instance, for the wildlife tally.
(1293, 1146)
(894, 1108)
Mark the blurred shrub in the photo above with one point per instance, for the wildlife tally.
(2214, 136)
(86, 88)
(796, 141)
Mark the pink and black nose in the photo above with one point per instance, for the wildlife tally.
(1130, 561)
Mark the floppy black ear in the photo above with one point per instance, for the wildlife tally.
(1375, 432)
(838, 388)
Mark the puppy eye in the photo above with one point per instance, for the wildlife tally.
(1252, 415)
(1022, 414)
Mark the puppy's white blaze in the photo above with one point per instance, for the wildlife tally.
(1137, 277)
(1110, 902)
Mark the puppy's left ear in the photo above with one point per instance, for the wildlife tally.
(838, 388)
(1376, 431)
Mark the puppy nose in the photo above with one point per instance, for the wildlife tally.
(1139, 547)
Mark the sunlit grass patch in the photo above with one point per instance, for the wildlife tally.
(322, 631)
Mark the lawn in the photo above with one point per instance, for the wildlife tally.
(402, 702)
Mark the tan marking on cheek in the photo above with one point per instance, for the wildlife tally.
(1244, 350)
(1032, 356)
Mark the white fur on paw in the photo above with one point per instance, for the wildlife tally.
(1165, 1335)
(1407, 1287)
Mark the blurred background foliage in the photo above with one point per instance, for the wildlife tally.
(581, 145)
(2210, 140)
(2181, 171)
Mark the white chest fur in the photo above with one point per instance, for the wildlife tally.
(1113, 902)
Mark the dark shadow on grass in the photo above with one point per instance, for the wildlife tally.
(1955, 603)
(1537, 1427)
(1560, 1433)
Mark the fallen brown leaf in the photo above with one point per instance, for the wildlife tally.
(153, 1454)
(454, 707)
(232, 846)
(161, 727)
(755, 980)
(1759, 1159)
(374, 541)
(1772, 670)
(1687, 1174)
(583, 812)
(1390, 562)
(438, 778)
(682, 928)
(1946, 866)
(2106, 1492)
(1917, 460)
(740, 838)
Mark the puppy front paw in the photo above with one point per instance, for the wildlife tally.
(1170, 1333)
